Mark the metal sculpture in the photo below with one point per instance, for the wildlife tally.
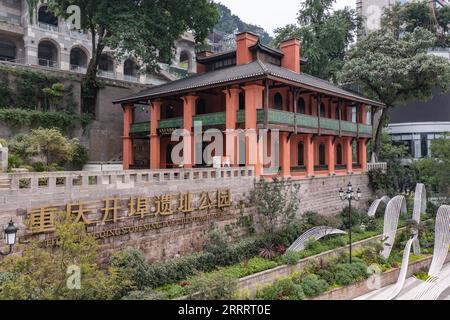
(420, 207)
(391, 217)
(441, 240)
(314, 233)
(374, 207)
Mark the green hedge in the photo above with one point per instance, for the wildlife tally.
(36, 119)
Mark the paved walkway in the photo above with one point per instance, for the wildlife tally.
(410, 289)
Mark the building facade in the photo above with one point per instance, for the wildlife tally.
(323, 129)
(44, 40)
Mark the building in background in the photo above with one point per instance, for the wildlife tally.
(49, 42)
(417, 124)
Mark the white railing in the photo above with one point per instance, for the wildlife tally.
(131, 78)
(106, 74)
(48, 63)
(377, 166)
(78, 69)
(48, 27)
(36, 182)
(17, 61)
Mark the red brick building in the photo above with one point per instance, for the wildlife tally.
(323, 129)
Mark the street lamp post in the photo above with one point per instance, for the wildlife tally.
(10, 237)
(349, 195)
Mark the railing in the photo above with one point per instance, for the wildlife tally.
(10, 60)
(140, 127)
(106, 74)
(78, 69)
(94, 179)
(377, 166)
(48, 63)
(48, 27)
(211, 119)
(176, 123)
(130, 78)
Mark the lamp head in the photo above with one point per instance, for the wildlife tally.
(10, 233)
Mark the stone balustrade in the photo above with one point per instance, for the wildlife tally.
(377, 166)
(92, 179)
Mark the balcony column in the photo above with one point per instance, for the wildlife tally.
(348, 154)
(362, 150)
(155, 139)
(128, 114)
(232, 106)
(253, 149)
(331, 155)
(309, 155)
(189, 104)
(285, 154)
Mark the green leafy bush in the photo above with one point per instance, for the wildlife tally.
(312, 285)
(284, 289)
(217, 286)
(290, 258)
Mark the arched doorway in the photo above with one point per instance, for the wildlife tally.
(78, 59)
(301, 154)
(130, 70)
(47, 54)
(46, 18)
(8, 50)
(322, 155)
(339, 155)
(185, 60)
(106, 66)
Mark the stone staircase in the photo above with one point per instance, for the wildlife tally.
(5, 182)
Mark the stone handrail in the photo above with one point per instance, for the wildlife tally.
(377, 166)
(85, 179)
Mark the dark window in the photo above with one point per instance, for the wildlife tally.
(301, 154)
(201, 106)
(322, 110)
(106, 63)
(338, 113)
(278, 101)
(169, 161)
(130, 68)
(339, 154)
(424, 145)
(169, 112)
(7, 50)
(322, 155)
(185, 60)
(301, 107)
(47, 54)
(78, 58)
(47, 17)
(241, 101)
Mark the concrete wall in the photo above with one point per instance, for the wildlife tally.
(25, 194)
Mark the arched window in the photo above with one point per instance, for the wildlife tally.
(322, 110)
(201, 106)
(241, 101)
(47, 54)
(322, 151)
(7, 50)
(130, 68)
(78, 59)
(301, 154)
(47, 17)
(185, 60)
(278, 101)
(106, 65)
(339, 159)
(301, 106)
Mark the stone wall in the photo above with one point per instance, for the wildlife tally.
(103, 137)
(36, 196)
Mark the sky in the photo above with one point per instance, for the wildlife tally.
(271, 14)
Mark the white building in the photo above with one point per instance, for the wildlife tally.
(50, 42)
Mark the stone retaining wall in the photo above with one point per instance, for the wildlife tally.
(27, 195)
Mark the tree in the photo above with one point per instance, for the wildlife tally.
(406, 17)
(325, 36)
(144, 30)
(435, 171)
(43, 274)
(395, 71)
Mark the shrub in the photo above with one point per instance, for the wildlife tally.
(14, 161)
(313, 286)
(290, 258)
(132, 268)
(218, 286)
(311, 219)
(284, 289)
(146, 294)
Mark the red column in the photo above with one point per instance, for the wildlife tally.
(331, 155)
(253, 150)
(127, 141)
(309, 155)
(362, 149)
(189, 102)
(155, 139)
(232, 106)
(348, 154)
(285, 154)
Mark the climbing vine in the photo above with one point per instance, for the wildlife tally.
(35, 119)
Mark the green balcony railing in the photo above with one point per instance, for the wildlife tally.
(329, 124)
(365, 129)
(348, 126)
(176, 123)
(212, 119)
(140, 127)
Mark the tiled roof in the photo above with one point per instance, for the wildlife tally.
(256, 69)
